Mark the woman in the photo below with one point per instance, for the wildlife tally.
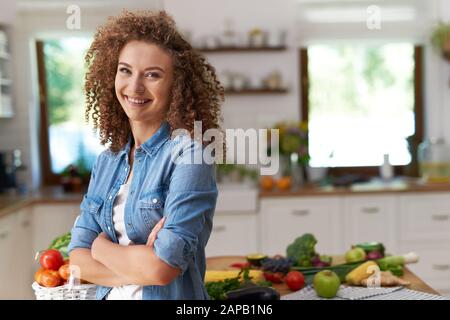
(147, 215)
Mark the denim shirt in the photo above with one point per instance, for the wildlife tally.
(185, 193)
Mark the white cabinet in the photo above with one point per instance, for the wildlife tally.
(23, 255)
(425, 218)
(424, 227)
(22, 234)
(7, 253)
(16, 267)
(283, 220)
(233, 234)
(51, 221)
(370, 218)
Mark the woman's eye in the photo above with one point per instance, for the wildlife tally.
(152, 75)
(124, 70)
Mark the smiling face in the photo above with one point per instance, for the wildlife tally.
(143, 82)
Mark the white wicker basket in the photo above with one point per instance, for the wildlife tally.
(65, 292)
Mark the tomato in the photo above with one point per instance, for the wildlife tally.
(64, 271)
(51, 259)
(276, 277)
(50, 278)
(295, 280)
(268, 276)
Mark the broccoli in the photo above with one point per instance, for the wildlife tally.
(302, 250)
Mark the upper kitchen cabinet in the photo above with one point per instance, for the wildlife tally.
(6, 109)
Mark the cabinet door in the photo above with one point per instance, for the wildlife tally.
(25, 265)
(233, 234)
(433, 266)
(425, 218)
(51, 221)
(370, 218)
(8, 275)
(282, 221)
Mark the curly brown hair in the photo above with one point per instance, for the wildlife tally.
(196, 92)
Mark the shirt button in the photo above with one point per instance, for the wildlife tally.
(155, 200)
(109, 228)
(126, 169)
(110, 197)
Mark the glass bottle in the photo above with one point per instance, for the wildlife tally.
(434, 161)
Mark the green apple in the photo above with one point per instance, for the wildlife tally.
(355, 255)
(326, 284)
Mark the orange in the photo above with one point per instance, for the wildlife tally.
(267, 183)
(284, 183)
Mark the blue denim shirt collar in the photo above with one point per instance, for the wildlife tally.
(152, 144)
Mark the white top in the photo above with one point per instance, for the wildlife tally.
(127, 292)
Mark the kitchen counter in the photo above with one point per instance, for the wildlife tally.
(401, 185)
(224, 262)
(11, 202)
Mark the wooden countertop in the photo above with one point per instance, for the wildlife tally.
(12, 202)
(400, 185)
(224, 262)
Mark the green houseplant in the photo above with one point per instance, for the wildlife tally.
(440, 39)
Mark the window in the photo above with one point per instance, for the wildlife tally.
(66, 139)
(361, 102)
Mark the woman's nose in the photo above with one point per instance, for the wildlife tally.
(137, 84)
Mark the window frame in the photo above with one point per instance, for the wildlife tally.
(48, 176)
(405, 170)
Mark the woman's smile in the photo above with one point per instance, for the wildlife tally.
(137, 102)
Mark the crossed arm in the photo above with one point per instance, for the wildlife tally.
(110, 264)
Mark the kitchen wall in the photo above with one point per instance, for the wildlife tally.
(41, 19)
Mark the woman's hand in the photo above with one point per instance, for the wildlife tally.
(97, 244)
(153, 235)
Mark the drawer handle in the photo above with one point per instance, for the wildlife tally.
(301, 212)
(4, 235)
(219, 228)
(370, 210)
(441, 267)
(26, 223)
(440, 217)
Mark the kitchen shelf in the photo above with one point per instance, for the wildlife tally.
(242, 49)
(5, 55)
(255, 91)
(5, 82)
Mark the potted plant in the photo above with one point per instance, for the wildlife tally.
(293, 150)
(440, 39)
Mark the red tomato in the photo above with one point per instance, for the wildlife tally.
(51, 259)
(50, 278)
(276, 277)
(268, 276)
(295, 280)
